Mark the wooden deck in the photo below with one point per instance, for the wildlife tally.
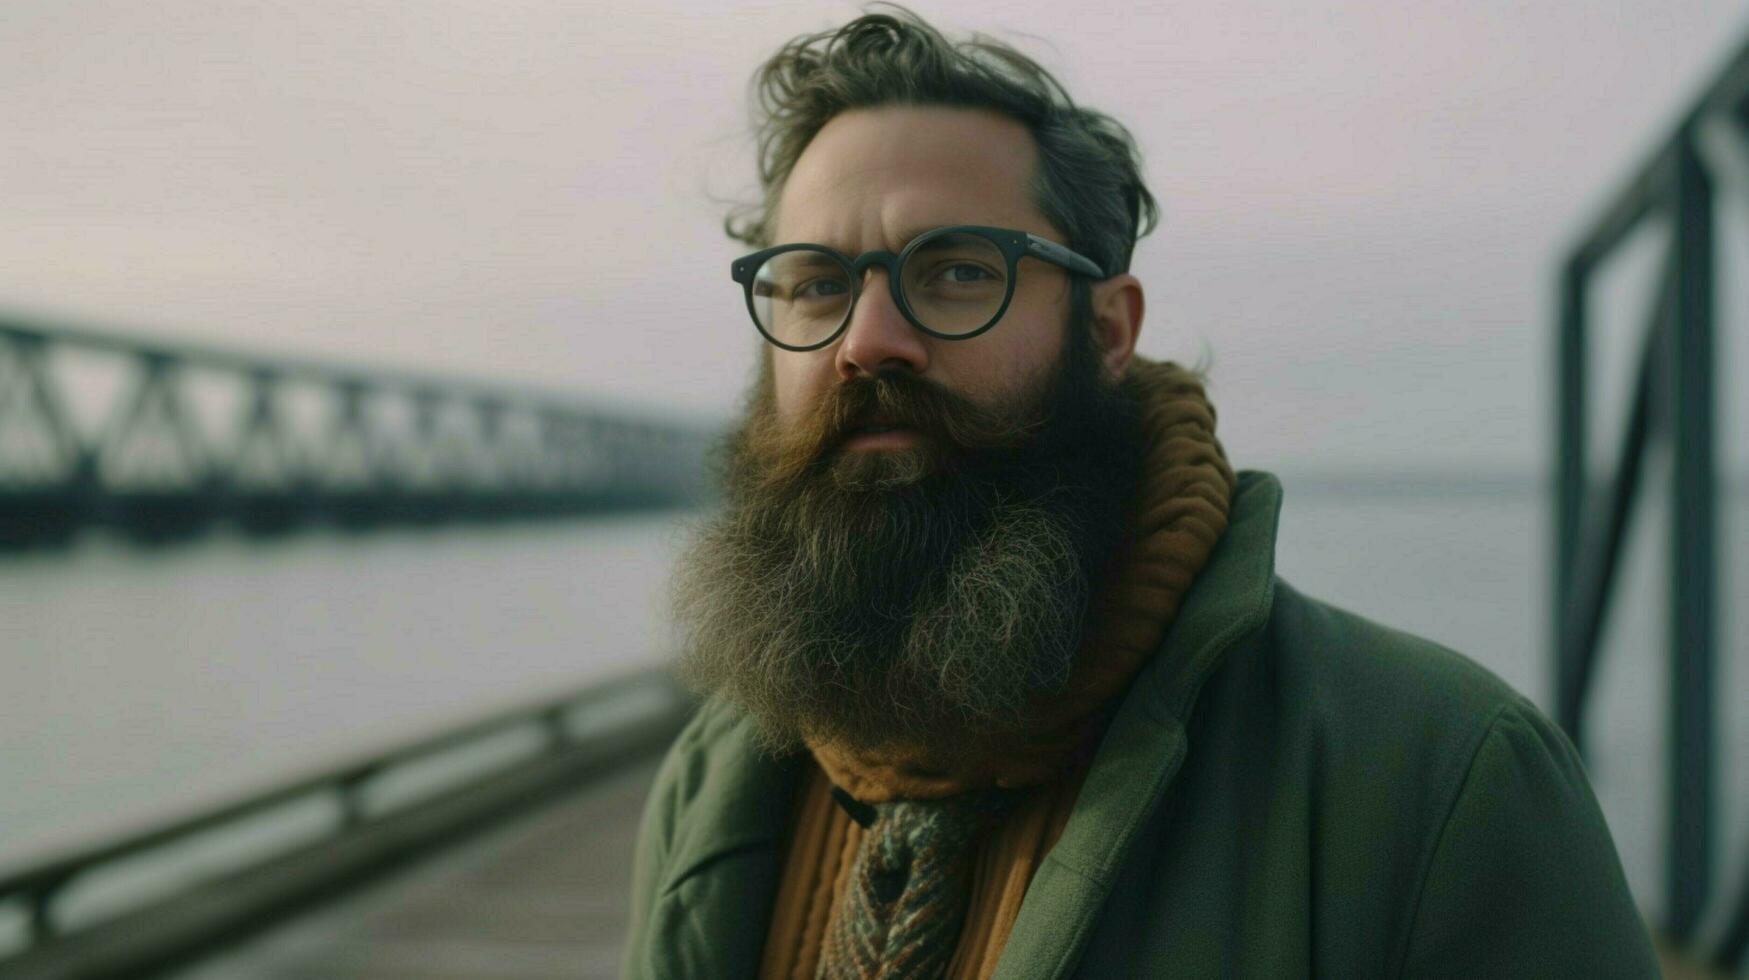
(543, 896)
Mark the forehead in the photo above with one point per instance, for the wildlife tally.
(874, 178)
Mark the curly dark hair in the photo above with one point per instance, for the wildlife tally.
(1089, 179)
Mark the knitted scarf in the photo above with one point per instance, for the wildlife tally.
(923, 809)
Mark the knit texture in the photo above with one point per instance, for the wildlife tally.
(907, 891)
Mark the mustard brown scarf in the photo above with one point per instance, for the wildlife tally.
(924, 808)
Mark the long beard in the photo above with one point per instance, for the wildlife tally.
(908, 595)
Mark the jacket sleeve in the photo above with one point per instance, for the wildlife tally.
(1523, 879)
(649, 859)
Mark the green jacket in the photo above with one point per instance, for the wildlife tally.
(1287, 789)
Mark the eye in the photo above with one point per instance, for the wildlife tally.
(961, 274)
(826, 287)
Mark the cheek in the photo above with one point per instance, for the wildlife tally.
(795, 385)
(1012, 359)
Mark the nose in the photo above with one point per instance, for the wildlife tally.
(878, 335)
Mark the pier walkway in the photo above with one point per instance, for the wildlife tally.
(540, 896)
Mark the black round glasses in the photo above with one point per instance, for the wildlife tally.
(952, 282)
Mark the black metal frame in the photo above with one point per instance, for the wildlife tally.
(1673, 400)
(470, 450)
(1013, 244)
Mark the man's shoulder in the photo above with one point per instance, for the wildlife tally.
(1450, 792)
(1371, 698)
(707, 750)
(718, 765)
(1347, 661)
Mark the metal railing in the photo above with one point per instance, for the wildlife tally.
(383, 446)
(580, 735)
(1673, 400)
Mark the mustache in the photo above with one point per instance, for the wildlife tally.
(950, 423)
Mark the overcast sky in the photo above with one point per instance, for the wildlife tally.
(1363, 202)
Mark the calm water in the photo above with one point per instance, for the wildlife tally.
(139, 685)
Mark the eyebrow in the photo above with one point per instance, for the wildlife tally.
(906, 236)
(810, 258)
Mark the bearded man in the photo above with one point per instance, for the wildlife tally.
(999, 678)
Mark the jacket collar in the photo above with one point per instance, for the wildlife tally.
(726, 839)
(1145, 746)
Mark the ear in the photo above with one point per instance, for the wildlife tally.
(1117, 321)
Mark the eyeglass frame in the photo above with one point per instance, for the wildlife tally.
(1013, 243)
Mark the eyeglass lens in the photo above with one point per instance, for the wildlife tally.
(954, 283)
